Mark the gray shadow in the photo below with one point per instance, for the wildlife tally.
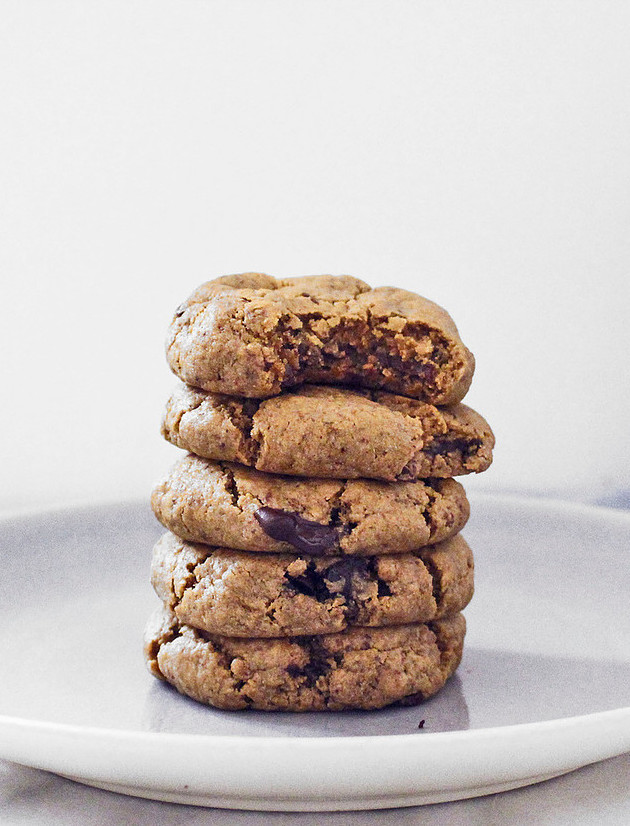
(168, 711)
(491, 688)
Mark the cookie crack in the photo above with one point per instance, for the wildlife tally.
(185, 583)
(183, 513)
(440, 642)
(153, 648)
(428, 512)
(437, 590)
(271, 611)
(241, 415)
(382, 586)
(253, 438)
(175, 424)
(340, 511)
(227, 661)
(231, 485)
(255, 444)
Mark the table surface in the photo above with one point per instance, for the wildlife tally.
(597, 794)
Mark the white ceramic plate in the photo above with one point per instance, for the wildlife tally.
(544, 686)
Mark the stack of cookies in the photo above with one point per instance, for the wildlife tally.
(313, 558)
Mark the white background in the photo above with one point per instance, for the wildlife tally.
(476, 152)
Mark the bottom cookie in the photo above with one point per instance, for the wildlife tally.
(359, 668)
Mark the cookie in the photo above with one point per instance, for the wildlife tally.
(331, 432)
(252, 335)
(231, 506)
(360, 668)
(241, 594)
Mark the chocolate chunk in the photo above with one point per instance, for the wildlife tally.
(344, 570)
(343, 575)
(305, 535)
(319, 661)
(317, 584)
(311, 583)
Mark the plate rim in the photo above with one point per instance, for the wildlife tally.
(183, 739)
(405, 770)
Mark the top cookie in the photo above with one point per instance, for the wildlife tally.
(255, 336)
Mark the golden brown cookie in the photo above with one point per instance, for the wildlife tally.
(232, 506)
(240, 594)
(360, 668)
(331, 432)
(252, 335)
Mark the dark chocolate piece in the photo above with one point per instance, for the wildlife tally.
(339, 579)
(319, 661)
(344, 570)
(311, 583)
(347, 571)
(317, 584)
(305, 535)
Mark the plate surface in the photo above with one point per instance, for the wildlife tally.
(544, 686)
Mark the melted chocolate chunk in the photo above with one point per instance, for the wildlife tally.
(354, 568)
(317, 584)
(350, 572)
(305, 535)
(289, 379)
(341, 578)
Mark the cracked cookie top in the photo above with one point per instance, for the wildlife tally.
(253, 335)
(231, 506)
(331, 432)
